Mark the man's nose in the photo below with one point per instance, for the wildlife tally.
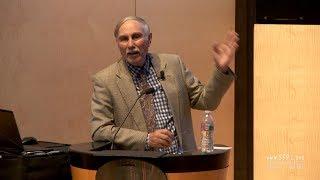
(130, 43)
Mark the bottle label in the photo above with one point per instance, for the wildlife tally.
(206, 127)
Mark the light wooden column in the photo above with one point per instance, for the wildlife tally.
(286, 102)
(82, 174)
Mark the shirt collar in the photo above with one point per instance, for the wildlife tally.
(136, 70)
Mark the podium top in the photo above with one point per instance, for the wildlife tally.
(83, 157)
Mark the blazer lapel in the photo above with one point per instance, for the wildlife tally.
(129, 94)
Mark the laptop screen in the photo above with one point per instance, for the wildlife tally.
(10, 140)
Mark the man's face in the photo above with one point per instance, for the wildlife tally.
(133, 42)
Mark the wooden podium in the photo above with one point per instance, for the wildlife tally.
(191, 165)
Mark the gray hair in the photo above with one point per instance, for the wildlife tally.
(135, 18)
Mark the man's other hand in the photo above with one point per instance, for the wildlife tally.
(160, 138)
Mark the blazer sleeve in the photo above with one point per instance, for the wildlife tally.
(206, 97)
(103, 123)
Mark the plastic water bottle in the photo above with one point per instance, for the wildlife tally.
(207, 129)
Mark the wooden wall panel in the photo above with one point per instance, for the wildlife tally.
(189, 28)
(286, 102)
(48, 51)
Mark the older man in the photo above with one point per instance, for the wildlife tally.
(160, 121)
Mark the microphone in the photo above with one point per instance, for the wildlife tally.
(146, 91)
(162, 76)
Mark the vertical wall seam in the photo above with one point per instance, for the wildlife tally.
(135, 7)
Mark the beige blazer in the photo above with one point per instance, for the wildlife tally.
(114, 93)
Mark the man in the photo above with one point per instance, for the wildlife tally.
(159, 121)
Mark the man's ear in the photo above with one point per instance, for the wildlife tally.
(116, 40)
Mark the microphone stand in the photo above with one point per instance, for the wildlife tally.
(147, 91)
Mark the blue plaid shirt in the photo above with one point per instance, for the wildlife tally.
(164, 118)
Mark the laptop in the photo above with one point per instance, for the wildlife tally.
(10, 140)
(11, 143)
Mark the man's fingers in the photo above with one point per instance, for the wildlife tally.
(161, 138)
(166, 132)
(232, 39)
(166, 135)
(232, 36)
(159, 143)
(163, 143)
